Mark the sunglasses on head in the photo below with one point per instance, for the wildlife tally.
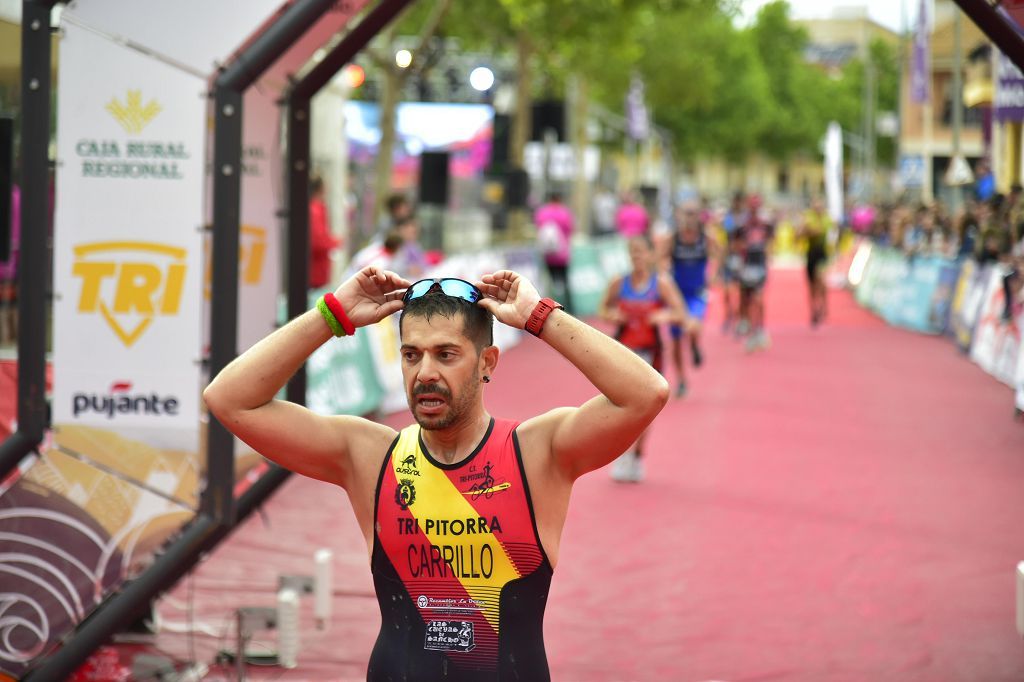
(450, 286)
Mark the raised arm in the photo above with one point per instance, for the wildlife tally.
(632, 392)
(608, 309)
(241, 397)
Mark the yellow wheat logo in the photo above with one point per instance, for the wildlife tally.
(132, 115)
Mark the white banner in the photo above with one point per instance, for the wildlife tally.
(259, 271)
(198, 34)
(834, 172)
(1020, 379)
(127, 238)
(263, 191)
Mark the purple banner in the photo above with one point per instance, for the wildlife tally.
(920, 71)
(637, 122)
(1009, 98)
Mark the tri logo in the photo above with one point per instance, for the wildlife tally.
(252, 253)
(129, 283)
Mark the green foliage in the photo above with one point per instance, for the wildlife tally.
(850, 90)
(718, 88)
(792, 121)
(702, 84)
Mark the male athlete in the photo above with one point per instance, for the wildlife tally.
(729, 270)
(462, 513)
(687, 253)
(753, 240)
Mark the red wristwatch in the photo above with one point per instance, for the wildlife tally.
(540, 313)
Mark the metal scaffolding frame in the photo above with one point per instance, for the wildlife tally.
(220, 513)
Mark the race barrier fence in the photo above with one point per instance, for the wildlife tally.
(956, 298)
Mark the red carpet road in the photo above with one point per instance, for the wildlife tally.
(844, 507)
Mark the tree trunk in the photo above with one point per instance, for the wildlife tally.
(394, 80)
(521, 124)
(580, 186)
(390, 90)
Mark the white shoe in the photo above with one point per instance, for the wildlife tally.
(764, 341)
(637, 474)
(623, 467)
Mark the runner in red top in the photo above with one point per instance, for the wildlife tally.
(457, 558)
(638, 303)
(462, 513)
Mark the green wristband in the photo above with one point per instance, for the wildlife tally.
(329, 318)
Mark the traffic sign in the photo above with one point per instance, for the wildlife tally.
(911, 171)
(959, 172)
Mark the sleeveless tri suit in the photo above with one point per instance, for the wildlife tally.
(689, 270)
(637, 333)
(460, 573)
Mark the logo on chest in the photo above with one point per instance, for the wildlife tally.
(407, 466)
(405, 493)
(482, 483)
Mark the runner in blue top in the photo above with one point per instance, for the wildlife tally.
(687, 253)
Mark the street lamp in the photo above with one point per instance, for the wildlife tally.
(481, 78)
(403, 58)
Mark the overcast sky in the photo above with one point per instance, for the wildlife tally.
(886, 12)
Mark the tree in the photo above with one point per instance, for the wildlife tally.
(392, 79)
(704, 81)
(798, 115)
(849, 92)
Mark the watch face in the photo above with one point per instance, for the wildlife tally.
(539, 315)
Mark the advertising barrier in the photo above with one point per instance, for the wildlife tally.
(592, 266)
(967, 301)
(908, 292)
(1020, 380)
(940, 316)
(342, 376)
(961, 299)
(996, 346)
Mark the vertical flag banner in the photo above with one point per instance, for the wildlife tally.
(638, 123)
(121, 472)
(920, 71)
(259, 261)
(127, 248)
(834, 171)
(263, 192)
(1009, 95)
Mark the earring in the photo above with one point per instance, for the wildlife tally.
(487, 379)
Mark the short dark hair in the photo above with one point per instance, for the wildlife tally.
(316, 183)
(393, 241)
(477, 322)
(394, 201)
